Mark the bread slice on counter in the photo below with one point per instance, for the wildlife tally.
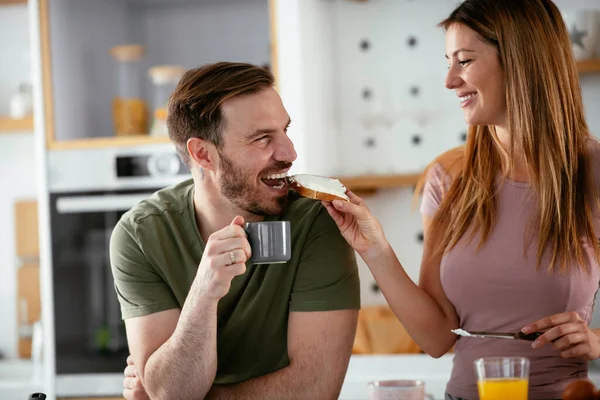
(318, 187)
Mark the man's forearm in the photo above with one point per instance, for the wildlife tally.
(287, 383)
(184, 367)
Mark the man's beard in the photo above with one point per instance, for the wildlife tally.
(236, 186)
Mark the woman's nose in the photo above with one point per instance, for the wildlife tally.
(452, 79)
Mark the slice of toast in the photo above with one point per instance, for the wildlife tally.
(318, 187)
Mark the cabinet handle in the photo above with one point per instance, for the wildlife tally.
(24, 260)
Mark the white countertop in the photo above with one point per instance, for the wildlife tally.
(17, 380)
(363, 369)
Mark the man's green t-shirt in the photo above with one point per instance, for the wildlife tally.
(156, 249)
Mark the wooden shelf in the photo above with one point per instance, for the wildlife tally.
(588, 66)
(10, 2)
(116, 141)
(367, 184)
(8, 124)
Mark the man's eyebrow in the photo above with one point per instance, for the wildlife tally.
(259, 132)
(459, 51)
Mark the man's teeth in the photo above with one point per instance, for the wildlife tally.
(276, 176)
(467, 97)
(280, 185)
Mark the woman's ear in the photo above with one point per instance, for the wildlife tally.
(201, 152)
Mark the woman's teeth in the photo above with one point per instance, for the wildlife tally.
(467, 97)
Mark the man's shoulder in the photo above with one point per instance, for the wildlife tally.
(167, 202)
(310, 220)
(300, 207)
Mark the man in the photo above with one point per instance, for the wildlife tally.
(201, 320)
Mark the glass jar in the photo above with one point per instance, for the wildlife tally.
(129, 107)
(164, 80)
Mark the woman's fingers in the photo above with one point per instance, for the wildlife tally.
(348, 207)
(568, 341)
(354, 198)
(337, 217)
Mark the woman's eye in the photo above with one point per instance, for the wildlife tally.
(464, 62)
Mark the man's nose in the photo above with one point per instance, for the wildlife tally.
(285, 150)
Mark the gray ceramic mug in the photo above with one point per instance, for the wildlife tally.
(270, 241)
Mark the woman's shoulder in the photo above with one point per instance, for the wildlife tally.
(593, 147)
(448, 165)
(593, 154)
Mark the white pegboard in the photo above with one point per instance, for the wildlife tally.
(393, 103)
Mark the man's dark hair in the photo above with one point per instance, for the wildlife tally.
(194, 105)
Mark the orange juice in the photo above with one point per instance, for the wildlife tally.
(503, 389)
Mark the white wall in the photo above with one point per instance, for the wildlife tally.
(17, 168)
(17, 182)
(14, 41)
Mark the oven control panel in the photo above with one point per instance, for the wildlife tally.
(139, 167)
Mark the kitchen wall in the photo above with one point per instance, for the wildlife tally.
(17, 182)
(14, 44)
(17, 164)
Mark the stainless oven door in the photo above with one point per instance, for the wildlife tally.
(89, 333)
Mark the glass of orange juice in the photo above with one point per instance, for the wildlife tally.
(501, 378)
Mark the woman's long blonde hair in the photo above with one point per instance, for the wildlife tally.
(546, 123)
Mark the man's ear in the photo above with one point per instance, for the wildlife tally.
(201, 152)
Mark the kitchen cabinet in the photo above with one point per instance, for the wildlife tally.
(28, 273)
(80, 76)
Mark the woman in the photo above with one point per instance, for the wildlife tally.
(510, 219)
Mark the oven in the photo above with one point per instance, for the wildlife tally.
(89, 192)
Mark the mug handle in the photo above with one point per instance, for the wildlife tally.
(430, 396)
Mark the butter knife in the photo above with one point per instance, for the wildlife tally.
(499, 335)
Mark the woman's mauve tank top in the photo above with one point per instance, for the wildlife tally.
(498, 288)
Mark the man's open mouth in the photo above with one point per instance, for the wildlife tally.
(275, 181)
